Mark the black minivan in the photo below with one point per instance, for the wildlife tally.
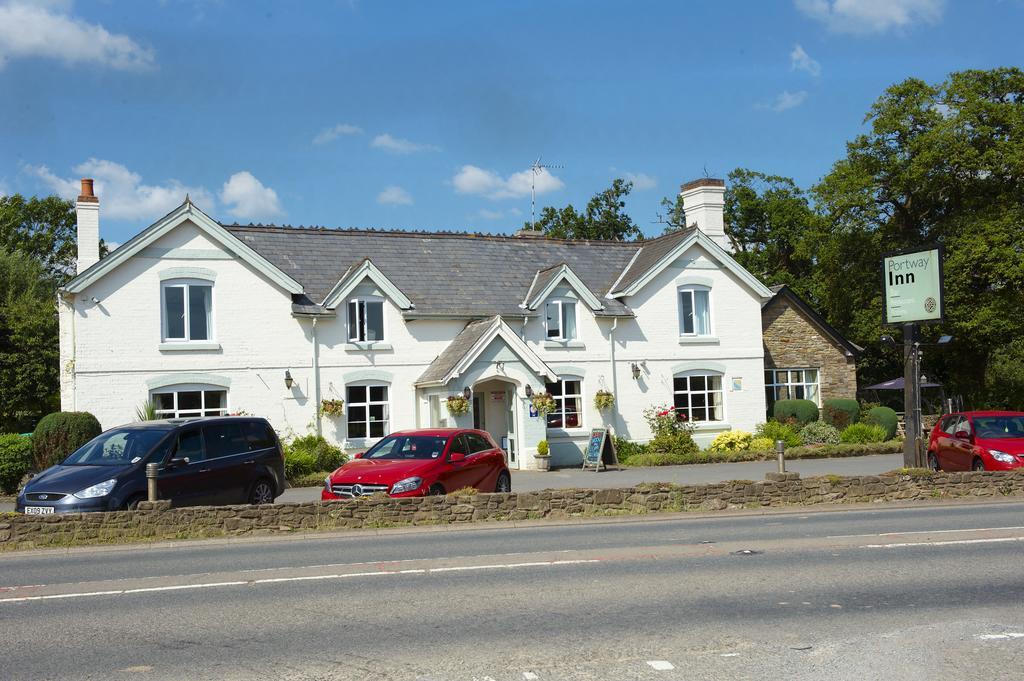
(203, 461)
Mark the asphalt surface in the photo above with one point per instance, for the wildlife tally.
(918, 592)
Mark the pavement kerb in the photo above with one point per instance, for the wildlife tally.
(511, 525)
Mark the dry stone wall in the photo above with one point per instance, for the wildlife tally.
(159, 521)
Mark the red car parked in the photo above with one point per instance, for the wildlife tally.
(977, 440)
(415, 463)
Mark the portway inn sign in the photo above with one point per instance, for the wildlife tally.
(912, 286)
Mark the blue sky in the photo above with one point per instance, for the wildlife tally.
(427, 115)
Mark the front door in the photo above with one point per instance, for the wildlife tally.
(510, 415)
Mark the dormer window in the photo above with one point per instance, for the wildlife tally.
(561, 319)
(694, 311)
(365, 320)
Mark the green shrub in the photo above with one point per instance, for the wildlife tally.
(542, 448)
(885, 418)
(678, 442)
(802, 411)
(762, 444)
(15, 461)
(840, 412)
(326, 456)
(731, 441)
(625, 449)
(866, 406)
(773, 430)
(841, 450)
(59, 434)
(861, 433)
(819, 433)
(298, 463)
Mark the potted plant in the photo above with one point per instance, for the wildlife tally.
(603, 400)
(457, 405)
(332, 408)
(544, 403)
(543, 456)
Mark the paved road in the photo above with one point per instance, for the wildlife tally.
(930, 592)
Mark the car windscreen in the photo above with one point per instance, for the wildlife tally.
(407, 447)
(999, 427)
(118, 447)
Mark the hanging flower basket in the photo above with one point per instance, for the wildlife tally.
(332, 408)
(544, 403)
(457, 405)
(603, 400)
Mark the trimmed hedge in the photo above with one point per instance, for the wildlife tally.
(803, 411)
(885, 418)
(840, 413)
(773, 430)
(15, 461)
(806, 452)
(326, 456)
(59, 434)
(819, 433)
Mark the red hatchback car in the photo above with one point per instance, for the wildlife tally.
(977, 440)
(416, 463)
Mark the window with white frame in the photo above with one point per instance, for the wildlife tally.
(694, 311)
(568, 394)
(365, 320)
(698, 397)
(187, 310)
(561, 319)
(791, 384)
(368, 411)
(189, 401)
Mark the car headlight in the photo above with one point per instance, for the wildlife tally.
(101, 489)
(407, 485)
(327, 484)
(1002, 456)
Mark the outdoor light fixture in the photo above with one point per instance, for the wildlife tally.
(529, 390)
(466, 392)
(288, 380)
(888, 341)
(636, 371)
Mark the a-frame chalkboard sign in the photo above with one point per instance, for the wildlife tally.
(600, 450)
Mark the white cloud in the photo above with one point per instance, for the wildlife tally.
(799, 60)
(397, 145)
(474, 180)
(121, 191)
(330, 134)
(248, 199)
(39, 29)
(395, 195)
(785, 100)
(864, 17)
(488, 214)
(641, 181)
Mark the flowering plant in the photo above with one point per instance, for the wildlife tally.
(457, 405)
(603, 400)
(664, 419)
(332, 407)
(544, 403)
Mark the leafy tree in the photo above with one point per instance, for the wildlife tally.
(29, 354)
(603, 220)
(44, 228)
(675, 214)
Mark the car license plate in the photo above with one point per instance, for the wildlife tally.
(38, 510)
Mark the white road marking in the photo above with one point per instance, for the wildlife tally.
(278, 580)
(530, 676)
(661, 665)
(950, 542)
(730, 654)
(999, 637)
(897, 534)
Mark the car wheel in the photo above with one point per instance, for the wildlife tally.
(978, 465)
(436, 491)
(132, 502)
(504, 484)
(262, 493)
(933, 462)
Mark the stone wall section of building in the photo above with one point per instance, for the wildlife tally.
(793, 341)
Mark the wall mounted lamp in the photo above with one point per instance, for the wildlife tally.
(529, 390)
(635, 368)
(466, 392)
(288, 380)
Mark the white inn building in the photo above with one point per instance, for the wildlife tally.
(204, 318)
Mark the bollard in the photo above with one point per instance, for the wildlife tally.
(152, 470)
(780, 450)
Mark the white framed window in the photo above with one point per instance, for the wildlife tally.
(568, 394)
(186, 310)
(791, 384)
(368, 411)
(698, 397)
(560, 316)
(694, 311)
(365, 320)
(176, 402)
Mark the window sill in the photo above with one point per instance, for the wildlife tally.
(698, 340)
(367, 347)
(710, 425)
(561, 345)
(189, 347)
(568, 433)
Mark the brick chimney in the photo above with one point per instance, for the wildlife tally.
(704, 204)
(87, 209)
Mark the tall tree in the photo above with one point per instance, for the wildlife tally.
(44, 228)
(603, 220)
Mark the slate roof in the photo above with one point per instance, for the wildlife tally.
(651, 254)
(447, 274)
(455, 351)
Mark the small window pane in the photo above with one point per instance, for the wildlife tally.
(216, 399)
(378, 393)
(374, 321)
(357, 393)
(199, 312)
(702, 313)
(697, 383)
(356, 429)
(377, 412)
(174, 301)
(679, 383)
(164, 401)
(190, 400)
(353, 320)
(356, 413)
(569, 310)
(553, 320)
(714, 382)
(554, 388)
(378, 429)
(686, 312)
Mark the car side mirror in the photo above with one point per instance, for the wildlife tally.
(962, 435)
(358, 455)
(456, 457)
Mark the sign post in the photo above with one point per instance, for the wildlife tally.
(912, 286)
(600, 450)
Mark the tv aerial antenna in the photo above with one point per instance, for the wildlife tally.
(536, 169)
